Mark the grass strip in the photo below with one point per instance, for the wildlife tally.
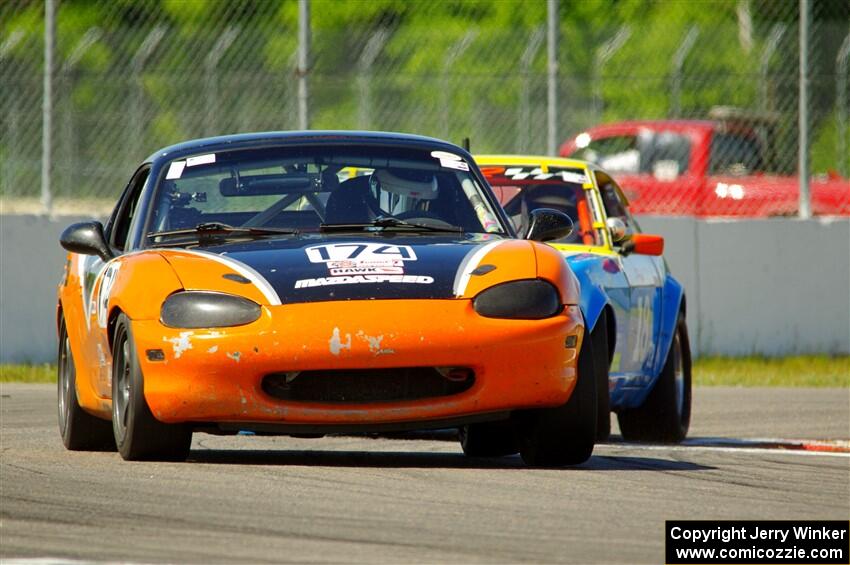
(44, 373)
(798, 371)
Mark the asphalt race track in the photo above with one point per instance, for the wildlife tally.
(415, 499)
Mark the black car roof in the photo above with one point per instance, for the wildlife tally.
(259, 139)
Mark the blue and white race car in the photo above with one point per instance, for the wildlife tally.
(635, 307)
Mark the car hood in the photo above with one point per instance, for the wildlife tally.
(314, 268)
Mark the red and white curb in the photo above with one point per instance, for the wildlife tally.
(829, 448)
(822, 446)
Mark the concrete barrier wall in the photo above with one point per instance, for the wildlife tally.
(31, 264)
(773, 287)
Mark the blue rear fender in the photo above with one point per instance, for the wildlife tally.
(671, 301)
(628, 392)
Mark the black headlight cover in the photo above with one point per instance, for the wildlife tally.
(533, 299)
(204, 309)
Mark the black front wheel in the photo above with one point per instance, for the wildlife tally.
(80, 430)
(138, 435)
(489, 439)
(601, 366)
(665, 415)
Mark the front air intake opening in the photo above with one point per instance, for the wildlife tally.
(368, 385)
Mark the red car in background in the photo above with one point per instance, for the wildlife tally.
(720, 167)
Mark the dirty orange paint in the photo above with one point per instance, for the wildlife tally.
(215, 375)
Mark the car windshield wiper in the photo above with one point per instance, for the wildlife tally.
(388, 222)
(214, 230)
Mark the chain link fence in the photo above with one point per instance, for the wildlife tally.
(133, 76)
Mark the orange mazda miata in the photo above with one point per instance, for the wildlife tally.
(309, 283)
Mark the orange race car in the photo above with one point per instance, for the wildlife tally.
(320, 282)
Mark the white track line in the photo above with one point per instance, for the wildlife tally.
(718, 449)
(784, 441)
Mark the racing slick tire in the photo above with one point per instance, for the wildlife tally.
(489, 439)
(80, 430)
(564, 435)
(138, 435)
(665, 415)
(601, 365)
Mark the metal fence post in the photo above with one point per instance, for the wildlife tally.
(553, 25)
(364, 77)
(805, 210)
(47, 105)
(303, 67)
(138, 65)
(678, 64)
(524, 120)
(842, 102)
(601, 57)
(225, 40)
(455, 51)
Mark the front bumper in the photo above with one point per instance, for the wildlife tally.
(215, 376)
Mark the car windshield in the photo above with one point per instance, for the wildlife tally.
(286, 190)
(734, 154)
(523, 189)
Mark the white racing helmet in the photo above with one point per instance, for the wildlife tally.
(406, 182)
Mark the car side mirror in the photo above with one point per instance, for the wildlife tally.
(643, 244)
(547, 224)
(617, 227)
(86, 238)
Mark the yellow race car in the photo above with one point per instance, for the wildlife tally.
(633, 307)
